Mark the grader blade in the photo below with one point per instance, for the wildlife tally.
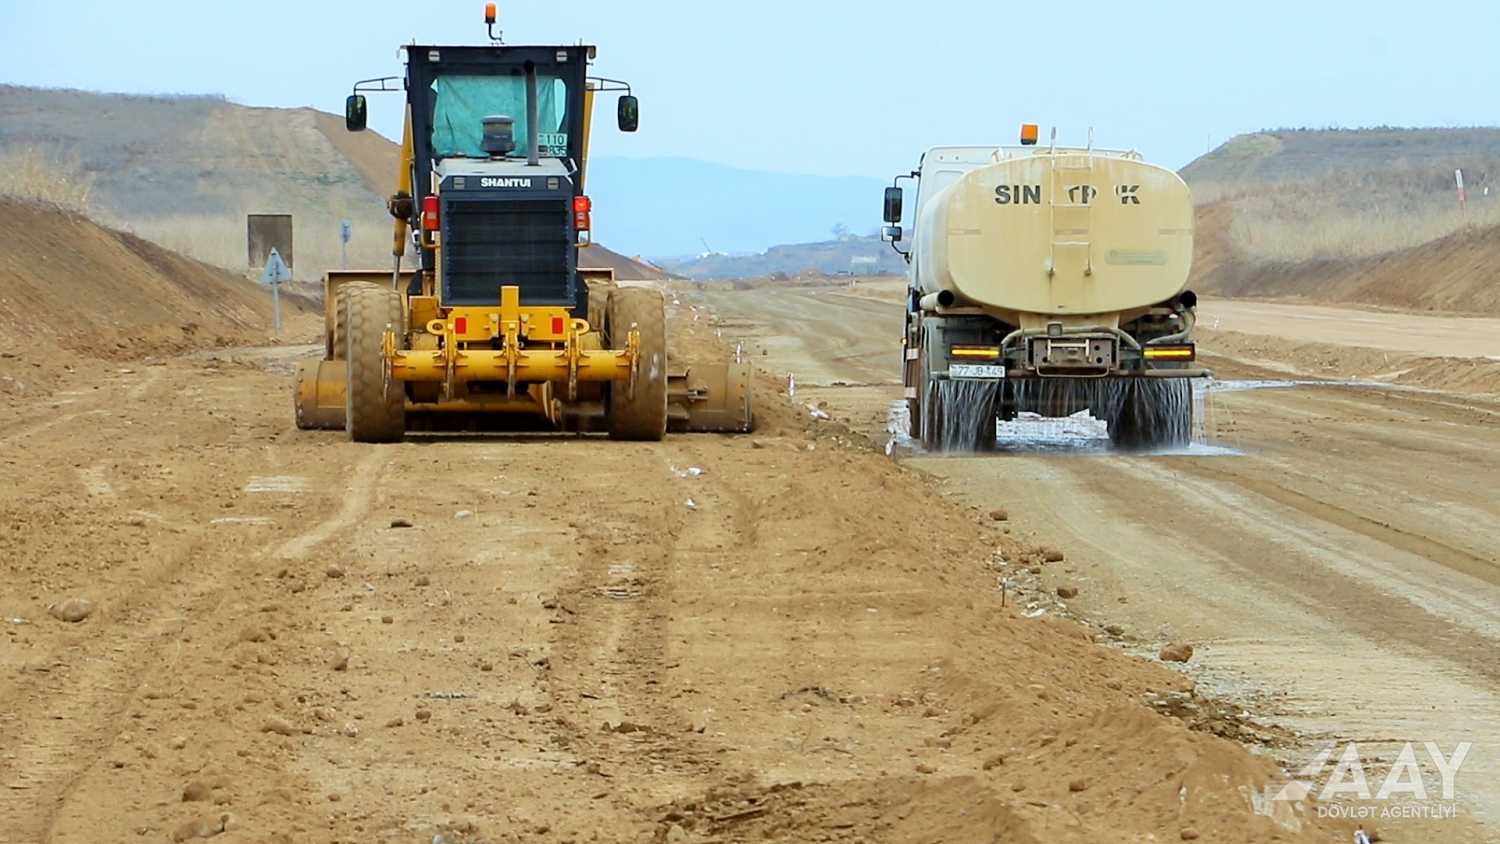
(321, 385)
(709, 398)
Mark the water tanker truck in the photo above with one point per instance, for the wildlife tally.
(1045, 280)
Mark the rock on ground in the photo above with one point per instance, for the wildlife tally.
(1176, 652)
(71, 610)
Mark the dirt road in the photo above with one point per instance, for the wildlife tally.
(215, 626)
(1396, 332)
(1336, 557)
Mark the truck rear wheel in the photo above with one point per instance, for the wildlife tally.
(953, 415)
(640, 414)
(959, 416)
(1154, 413)
(375, 410)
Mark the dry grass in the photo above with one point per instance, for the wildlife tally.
(221, 241)
(30, 173)
(1302, 221)
(1310, 194)
(1262, 235)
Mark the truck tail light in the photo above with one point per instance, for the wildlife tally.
(430, 213)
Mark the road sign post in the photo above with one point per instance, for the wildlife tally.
(275, 273)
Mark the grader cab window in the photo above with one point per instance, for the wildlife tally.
(461, 102)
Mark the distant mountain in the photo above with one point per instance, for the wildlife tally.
(854, 255)
(664, 207)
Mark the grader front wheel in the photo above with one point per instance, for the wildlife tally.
(639, 413)
(375, 411)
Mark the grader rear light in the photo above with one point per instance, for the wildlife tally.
(430, 213)
(460, 325)
(1028, 134)
(558, 324)
(582, 213)
(1182, 351)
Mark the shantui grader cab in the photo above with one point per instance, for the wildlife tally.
(1047, 281)
(497, 327)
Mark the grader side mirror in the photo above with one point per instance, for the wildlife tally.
(628, 113)
(354, 113)
(893, 199)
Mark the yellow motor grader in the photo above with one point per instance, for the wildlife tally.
(497, 327)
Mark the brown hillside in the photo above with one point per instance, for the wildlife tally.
(1460, 272)
(1360, 216)
(77, 285)
(1212, 248)
(184, 171)
(374, 155)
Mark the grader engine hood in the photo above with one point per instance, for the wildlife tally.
(1058, 233)
(506, 222)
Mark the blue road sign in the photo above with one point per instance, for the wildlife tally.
(276, 270)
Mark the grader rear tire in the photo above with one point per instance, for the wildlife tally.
(643, 415)
(375, 410)
(338, 344)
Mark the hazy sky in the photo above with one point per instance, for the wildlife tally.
(831, 87)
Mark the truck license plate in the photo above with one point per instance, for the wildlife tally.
(979, 371)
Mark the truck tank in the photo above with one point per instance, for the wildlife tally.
(1057, 234)
(1046, 280)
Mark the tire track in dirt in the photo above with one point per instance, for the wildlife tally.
(1474, 565)
(32, 431)
(356, 502)
(65, 724)
(624, 592)
(1270, 541)
(133, 395)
